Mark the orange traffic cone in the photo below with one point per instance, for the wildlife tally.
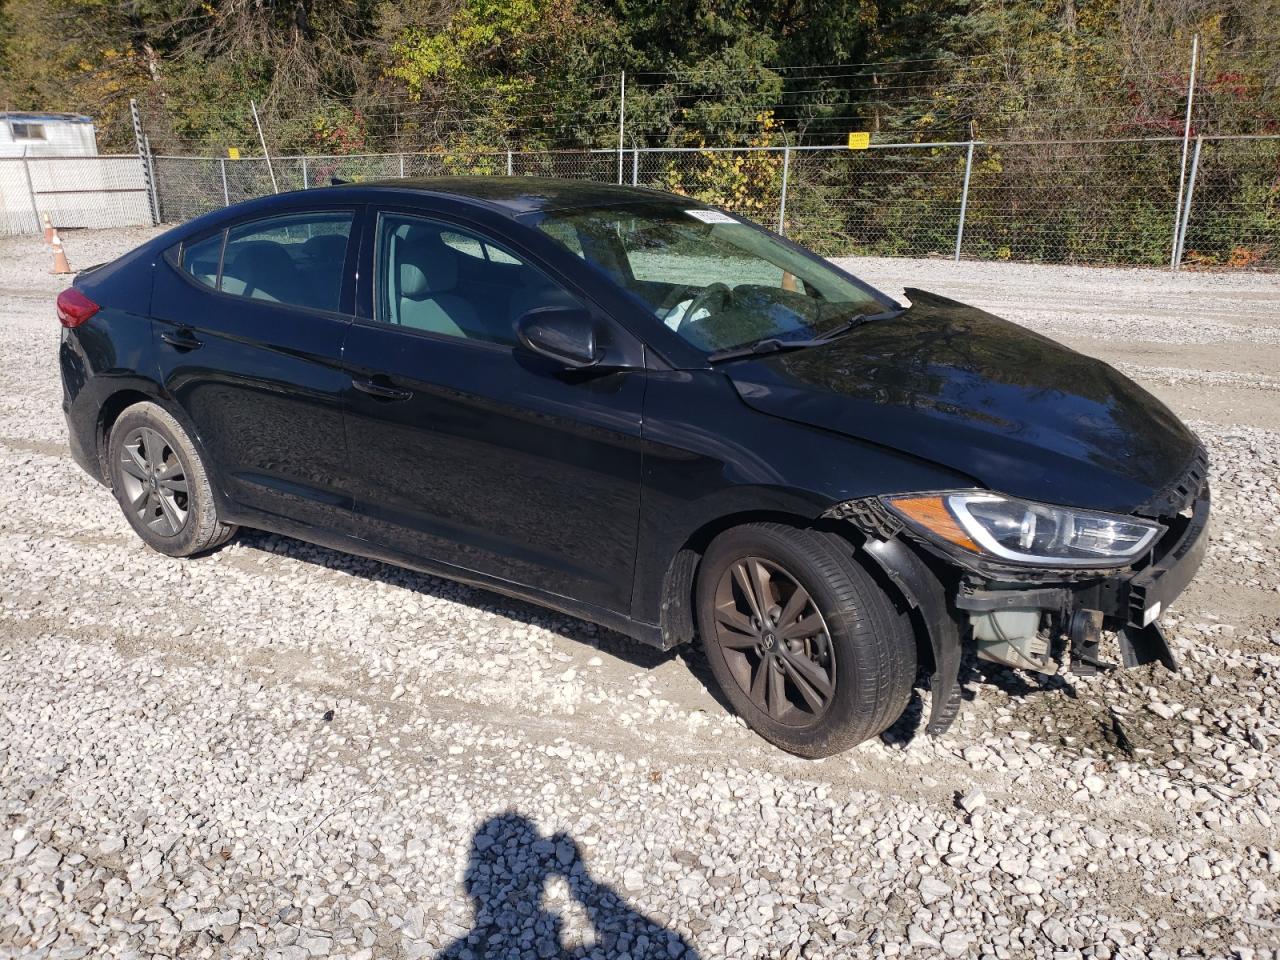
(60, 264)
(48, 231)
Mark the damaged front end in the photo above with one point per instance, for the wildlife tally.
(964, 562)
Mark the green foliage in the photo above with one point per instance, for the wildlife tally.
(747, 182)
(467, 45)
(454, 84)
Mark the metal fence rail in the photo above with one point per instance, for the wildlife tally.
(1077, 201)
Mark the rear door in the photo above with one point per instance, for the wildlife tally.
(467, 451)
(251, 321)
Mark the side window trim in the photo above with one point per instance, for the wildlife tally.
(222, 258)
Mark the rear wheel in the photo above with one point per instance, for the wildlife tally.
(803, 642)
(161, 484)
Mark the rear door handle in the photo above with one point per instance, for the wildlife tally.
(383, 391)
(181, 338)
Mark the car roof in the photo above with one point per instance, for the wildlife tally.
(520, 195)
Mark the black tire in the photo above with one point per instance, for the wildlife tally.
(161, 484)
(867, 634)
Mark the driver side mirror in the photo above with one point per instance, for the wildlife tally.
(567, 335)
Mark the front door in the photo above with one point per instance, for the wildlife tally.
(472, 453)
(251, 321)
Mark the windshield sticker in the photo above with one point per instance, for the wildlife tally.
(711, 216)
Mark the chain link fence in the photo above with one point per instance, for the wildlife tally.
(1088, 202)
(1113, 202)
(1080, 201)
(106, 191)
(189, 186)
(1234, 201)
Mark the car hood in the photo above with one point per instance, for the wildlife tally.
(960, 387)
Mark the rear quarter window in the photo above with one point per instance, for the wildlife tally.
(295, 259)
(202, 259)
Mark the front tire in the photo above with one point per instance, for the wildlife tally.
(802, 641)
(161, 484)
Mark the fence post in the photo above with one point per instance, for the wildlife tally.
(306, 178)
(1186, 209)
(782, 201)
(402, 166)
(31, 189)
(226, 195)
(152, 199)
(1176, 256)
(151, 179)
(635, 166)
(622, 117)
(964, 200)
(275, 188)
(509, 167)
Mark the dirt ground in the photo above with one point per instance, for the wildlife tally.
(281, 751)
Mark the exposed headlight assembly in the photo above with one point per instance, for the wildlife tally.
(1022, 532)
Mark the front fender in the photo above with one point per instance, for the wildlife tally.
(927, 596)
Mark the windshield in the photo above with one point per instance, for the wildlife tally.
(717, 282)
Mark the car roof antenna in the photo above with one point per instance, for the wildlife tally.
(337, 181)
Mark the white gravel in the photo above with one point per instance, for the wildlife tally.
(279, 751)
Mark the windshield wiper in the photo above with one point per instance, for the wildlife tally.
(857, 320)
(775, 345)
(761, 347)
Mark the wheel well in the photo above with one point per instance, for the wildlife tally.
(678, 619)
(112, 407)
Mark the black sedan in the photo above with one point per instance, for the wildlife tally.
(645, 412)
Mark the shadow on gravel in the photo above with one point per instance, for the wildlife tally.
(580, 631)
(506, 878)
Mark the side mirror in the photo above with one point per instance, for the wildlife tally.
(564, 334)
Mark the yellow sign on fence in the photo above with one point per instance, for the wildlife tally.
(233, 153)
(859, 140)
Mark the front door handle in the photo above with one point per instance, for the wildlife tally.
(383, 391)
(181, 338)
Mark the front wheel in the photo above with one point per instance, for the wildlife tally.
(161, 484)
(803, 642)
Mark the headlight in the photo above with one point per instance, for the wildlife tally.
(1023, 532)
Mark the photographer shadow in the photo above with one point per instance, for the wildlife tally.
(506, 879)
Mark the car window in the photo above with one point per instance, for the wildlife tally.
(564, 234)
(446, 280)
(716, 281)
(295, 259)
(202, 259)
(657, 251)
(474, 247)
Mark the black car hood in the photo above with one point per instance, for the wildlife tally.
(982, 396)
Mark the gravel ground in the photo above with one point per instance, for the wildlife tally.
(277, 750)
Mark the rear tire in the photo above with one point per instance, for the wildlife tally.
(805, 645)
(161, 484)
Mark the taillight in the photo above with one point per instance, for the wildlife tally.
(74, 308)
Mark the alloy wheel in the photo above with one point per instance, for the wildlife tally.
(775, 641)
(155, 483)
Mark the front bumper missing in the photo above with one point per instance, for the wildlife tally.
(1130, 602)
